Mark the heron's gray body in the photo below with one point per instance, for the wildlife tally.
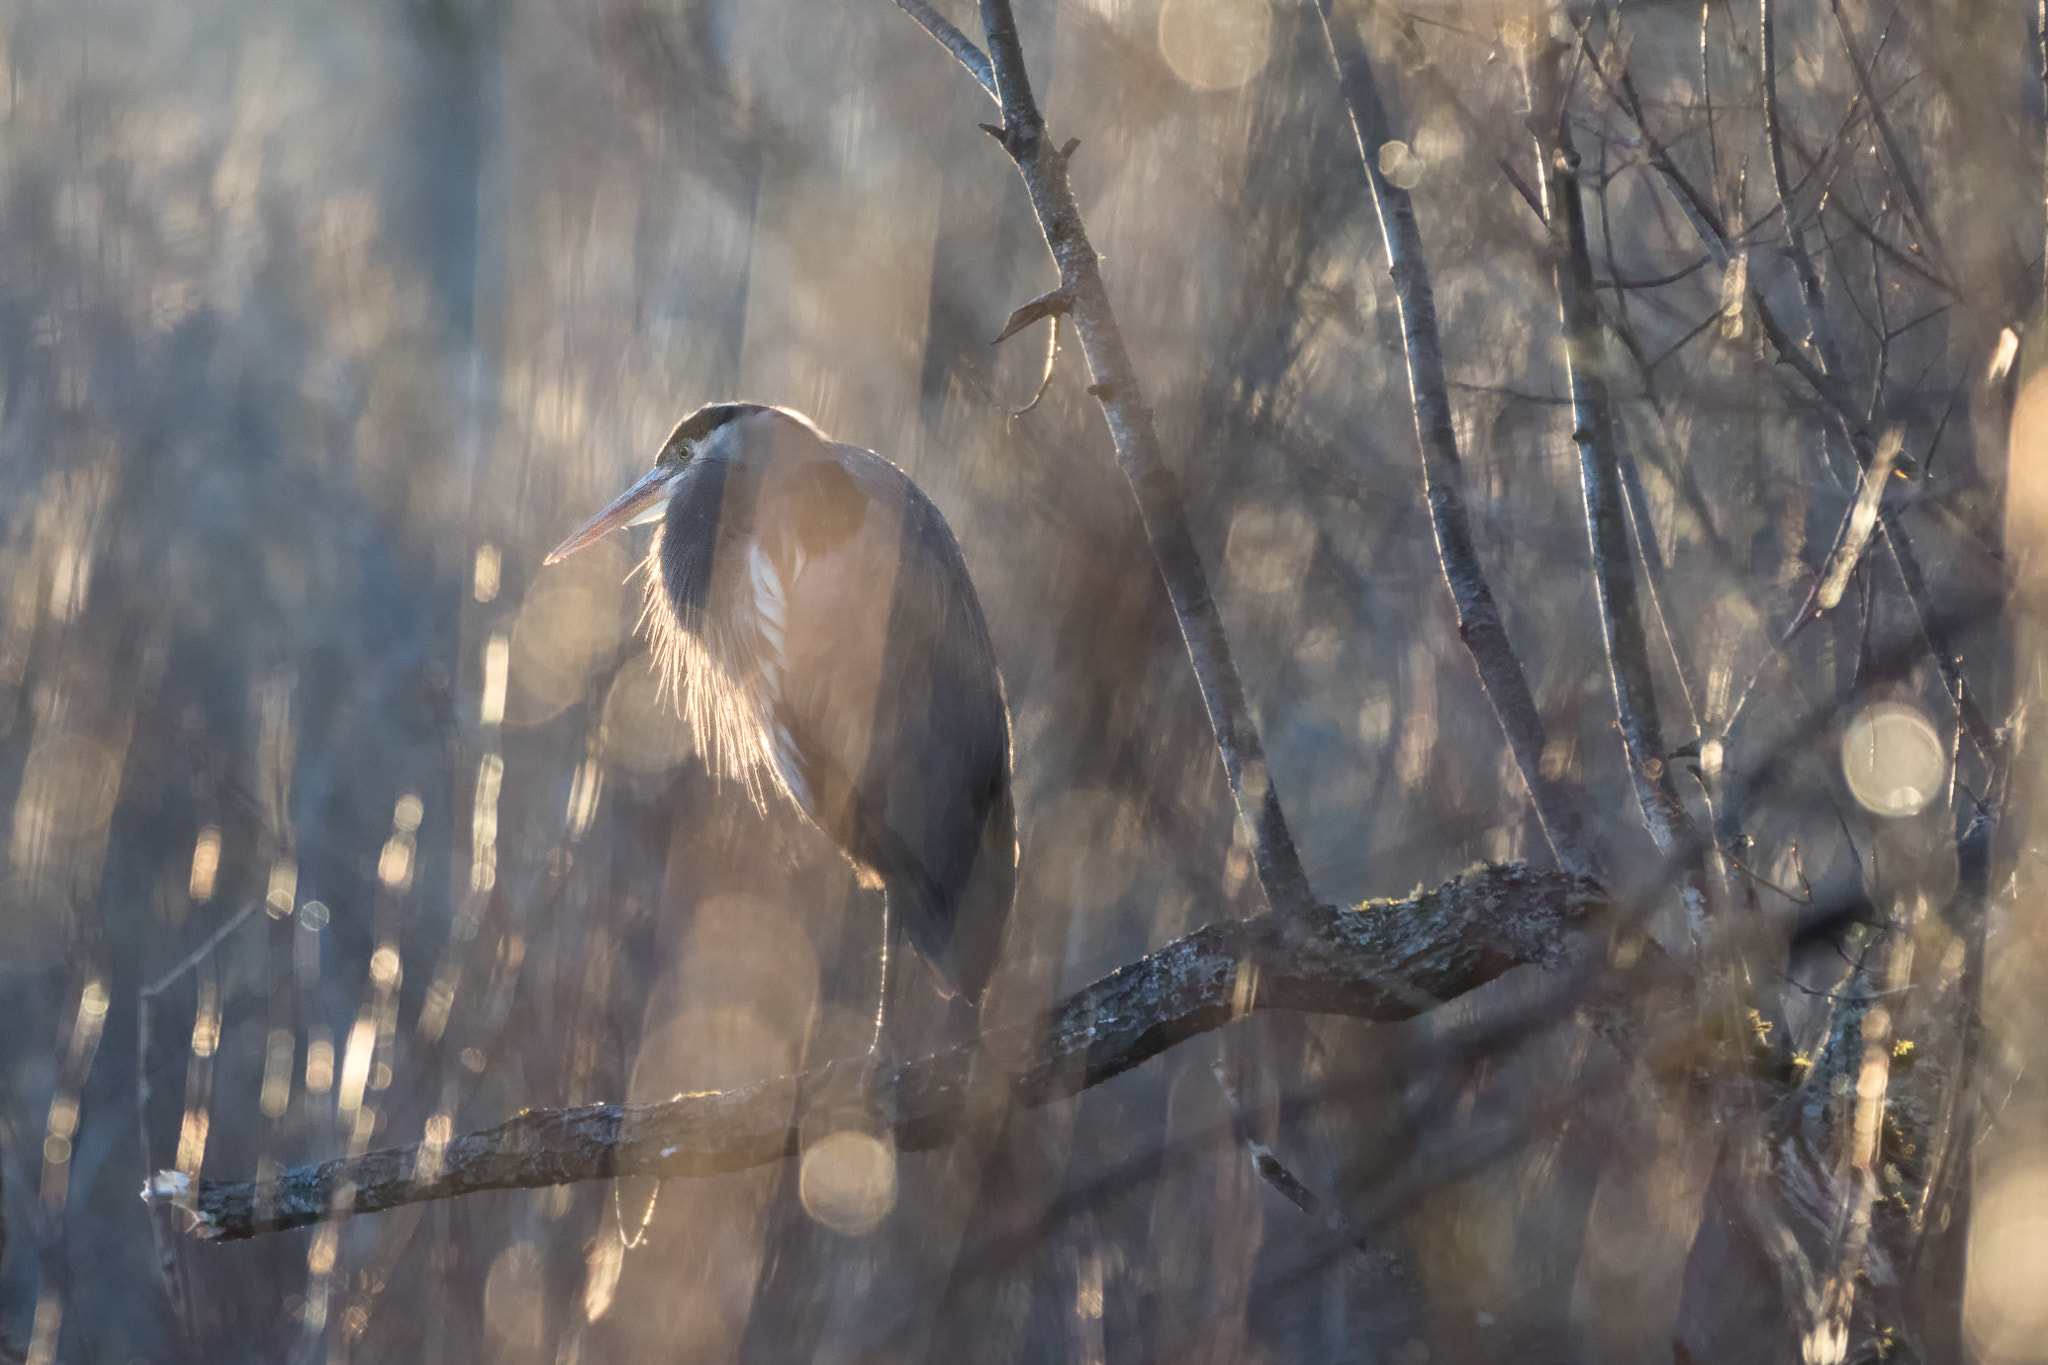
(813, 608)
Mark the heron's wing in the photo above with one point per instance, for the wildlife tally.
(894, 708)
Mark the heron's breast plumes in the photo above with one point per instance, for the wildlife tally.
(722, 666)
(771, 599)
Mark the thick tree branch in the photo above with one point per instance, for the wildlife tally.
(1386, 960)
(1560, 806)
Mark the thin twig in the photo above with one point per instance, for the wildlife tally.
(1893, 153)
(199, 954)
(169, 1272)
(1296, 1192)
(1655, 281)
(1948, 1160)
(954, 41)
(1707, 100)
(1052, 355)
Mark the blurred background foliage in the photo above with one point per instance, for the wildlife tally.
(336, 822)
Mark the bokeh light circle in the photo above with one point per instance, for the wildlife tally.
(848, 1182)
(1894, 762)
(1269, 549)
(1215, 44)
(644, 728)
(1400, 165)
(571, 618)
(513, 1294)
(2005, 1299)
(71, 782)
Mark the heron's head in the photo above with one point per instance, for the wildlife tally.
(646, 500)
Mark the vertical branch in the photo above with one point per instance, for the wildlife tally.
(1869, 1078)
(1640, 521)
(1707, 101)
(1044, 171)
(1598, 440)
(1941, 1220)
(1560, 806)
(1795, 237)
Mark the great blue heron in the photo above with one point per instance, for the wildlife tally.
(812, 609)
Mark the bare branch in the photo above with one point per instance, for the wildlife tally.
(1893, 153)
(1385, 960)
(1655, 281)
(1599, 443)
(1560, 806)
(1983, 737)
(1043, 167)
(1707, 101)
(1795, 237)
(1267, 1164)
(200, 954)
(1415, 58)
(954, 41)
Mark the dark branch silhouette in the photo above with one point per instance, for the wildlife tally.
(1386, 960)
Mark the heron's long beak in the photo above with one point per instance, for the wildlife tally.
(646, 500)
